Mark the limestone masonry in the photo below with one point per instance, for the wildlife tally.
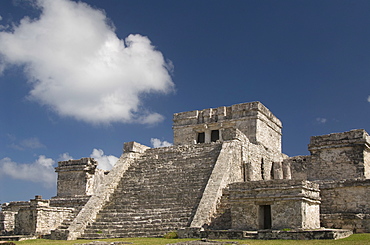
(225, 171)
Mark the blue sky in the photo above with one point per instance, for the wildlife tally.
(79, 79)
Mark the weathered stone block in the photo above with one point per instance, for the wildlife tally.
(134, 147)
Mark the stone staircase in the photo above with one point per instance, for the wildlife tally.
(67, 222)
(158, 193)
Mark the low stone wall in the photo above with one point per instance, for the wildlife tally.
(7, 216)
(296, 234)
(40, 220)
(359, 223)
(304, 235)
(7, 223)
(345, 204)
(345, 196)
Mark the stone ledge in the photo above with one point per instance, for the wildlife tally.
(322, 233)
(349, 138)
(343, 183)
(17, 238)
(331, 234)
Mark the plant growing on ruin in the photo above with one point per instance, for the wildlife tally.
(171, 235)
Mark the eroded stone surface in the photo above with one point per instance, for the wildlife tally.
(225, 170)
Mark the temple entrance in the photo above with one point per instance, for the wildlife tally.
(215, 135)
(265, 217)
(201, 137)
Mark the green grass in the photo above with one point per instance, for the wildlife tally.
(356, 239)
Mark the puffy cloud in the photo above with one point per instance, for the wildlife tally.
(65, 157)
(79, 68)
(41, 170)
(368, 99)
(105, 162)
(158, 143)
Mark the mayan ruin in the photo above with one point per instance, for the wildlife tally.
(224, 176)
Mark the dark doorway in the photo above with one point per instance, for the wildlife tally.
(215, 135)
(265, 217)
(201, 137)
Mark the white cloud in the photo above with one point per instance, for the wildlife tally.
(321, 120)
(105, 162)
(158, 143)
(368, 98)
(65, 157)
(41, 170)
(79, 68)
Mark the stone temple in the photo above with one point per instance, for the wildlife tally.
(225, 173)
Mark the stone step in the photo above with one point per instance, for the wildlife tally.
(157, 194)
(121, 208)
(113, 229)
(154, 233)
(139, 219)
(136, 225)
(121, 217)
(150, 198)
(122, 230)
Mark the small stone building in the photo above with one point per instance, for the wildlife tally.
(274, 204)
(225, 171)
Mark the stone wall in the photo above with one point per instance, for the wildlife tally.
(299, 166)
(225, 171)
(7, 216)
(339, 162)
(78, 177)
(253, 119)
(345, 204)
(40, 221)
(7, 222)
(339, 156)
(274, 204)
(38, 218)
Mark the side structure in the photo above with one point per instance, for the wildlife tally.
(77, 181)
(340, 164)
(224, 171)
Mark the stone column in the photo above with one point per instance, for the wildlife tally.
(207, 136)
(287, 174)
(277, 170)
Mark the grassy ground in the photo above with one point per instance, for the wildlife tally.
(356, 239)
